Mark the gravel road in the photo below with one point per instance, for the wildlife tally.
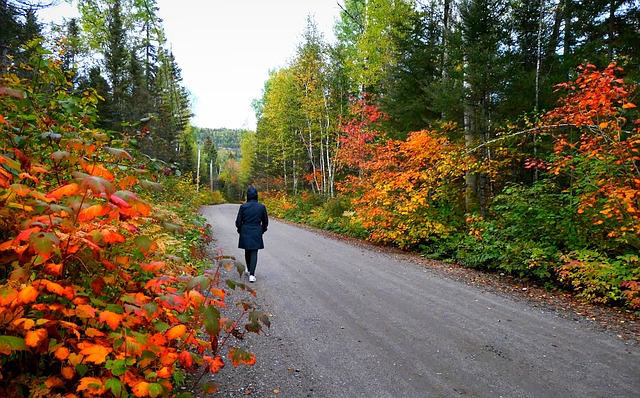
(349, 321)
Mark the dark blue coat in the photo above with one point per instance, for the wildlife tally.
(252, 222)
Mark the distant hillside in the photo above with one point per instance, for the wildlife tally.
(222, 137)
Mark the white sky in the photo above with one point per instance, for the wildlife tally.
(226, 48)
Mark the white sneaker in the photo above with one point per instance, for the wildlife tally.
(252, 278)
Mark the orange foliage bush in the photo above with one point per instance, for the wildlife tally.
(410, 190)
(92, 302)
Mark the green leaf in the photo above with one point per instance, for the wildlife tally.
(60, 155)
(143, 242)
(118, 367)
(118, 153)
(82, 369)
(115, 386)
(98, 185)
(173, 227)
(200, 283)
(161, 326)
(211, 320)
(151, 185)
(11, 343)
(155, 390)
(151, 308)
(240, 267)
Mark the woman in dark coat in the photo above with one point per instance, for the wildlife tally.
(252, 222)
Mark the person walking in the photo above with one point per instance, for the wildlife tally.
(251, 223)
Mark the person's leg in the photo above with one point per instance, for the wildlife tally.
(251, 258)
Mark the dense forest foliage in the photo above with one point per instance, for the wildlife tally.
(501, 134)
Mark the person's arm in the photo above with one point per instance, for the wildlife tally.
(265, 219)
(239, 219)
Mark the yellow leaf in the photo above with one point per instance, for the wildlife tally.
(26, 323)
(176, 332)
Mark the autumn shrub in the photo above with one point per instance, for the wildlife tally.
(102, 292)
(411, 193)
(601, 279)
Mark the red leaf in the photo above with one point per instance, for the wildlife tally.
(185, 359)
(98, 286)
(11, 92)
(119, 201)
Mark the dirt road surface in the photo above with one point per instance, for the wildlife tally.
(348, 321)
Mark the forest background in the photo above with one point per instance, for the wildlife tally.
(502, 135)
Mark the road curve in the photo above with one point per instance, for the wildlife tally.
(351, 322)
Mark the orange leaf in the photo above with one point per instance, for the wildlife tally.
(7, 296)
(93, 332)
(141, 389)
(97, 170)
(127, 182)
(94, 352)
(25, 323)
(629, 105)
(67, 190)
(68, 372)
(111, 237)
(111, 318)
(92, 384)
(85, 311)
(165, 372)
(53, 269)
(34, 337)
(27, 295)
(61, 353)
(55, 288)
(92, 212)
(168, 358)
(239, 356)
(53, 382)
(214, 364)
(176, 332)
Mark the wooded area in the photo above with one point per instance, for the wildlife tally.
(500, 134)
